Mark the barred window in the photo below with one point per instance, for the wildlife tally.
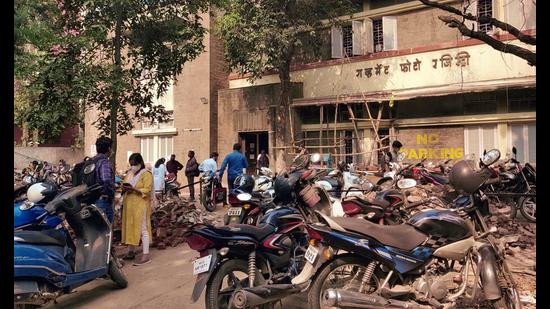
(378, 35)
(347, 39)
(485, 8)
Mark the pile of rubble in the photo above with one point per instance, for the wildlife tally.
(172, 218)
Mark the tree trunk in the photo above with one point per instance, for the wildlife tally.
(117, 85)
(282, 132)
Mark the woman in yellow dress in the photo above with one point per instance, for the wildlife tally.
(136, 211)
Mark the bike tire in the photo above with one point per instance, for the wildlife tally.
(117, 274)
(215, 283)
(207, 204)
(315, 296)
(526, 215)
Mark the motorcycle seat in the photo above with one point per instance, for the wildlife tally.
(256, 232)
(403, 236)
(45, 237)
(365, 202)
(441, 179)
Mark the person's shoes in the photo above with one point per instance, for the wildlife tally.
(129, 256)
(143, 261)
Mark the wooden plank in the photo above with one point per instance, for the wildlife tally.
(335, 121)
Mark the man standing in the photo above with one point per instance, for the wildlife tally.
(393, 155)
(237, 165)
(191, 171)
(263, 160)
(105, 175)
(173, 166)
(210, 165)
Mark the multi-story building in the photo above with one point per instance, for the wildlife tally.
(441, 94)
(193, 104)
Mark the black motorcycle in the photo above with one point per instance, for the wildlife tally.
(517, 183)
(425, 263)
(245, 266)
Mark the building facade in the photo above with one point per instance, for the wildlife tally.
(193, 104)
(441, 94)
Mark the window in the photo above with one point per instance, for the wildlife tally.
(485, 8)
(523, 137)
(479, 138)
(377, 35)
(156, 147)
(347, 41)
(349, 146)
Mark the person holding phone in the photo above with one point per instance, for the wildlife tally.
(136, 212)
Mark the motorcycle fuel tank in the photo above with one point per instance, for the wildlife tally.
(24, 214)
(281, 215)
(446, 225)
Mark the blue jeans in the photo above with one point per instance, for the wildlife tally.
(107, 207)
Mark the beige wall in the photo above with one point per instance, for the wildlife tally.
(485, 64)
(200, 78)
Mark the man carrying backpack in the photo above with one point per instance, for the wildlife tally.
(105, 176)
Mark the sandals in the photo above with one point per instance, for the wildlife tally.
(143, 261)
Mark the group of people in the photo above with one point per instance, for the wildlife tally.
(141, 188)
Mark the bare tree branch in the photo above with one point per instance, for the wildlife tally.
(521, 52)
(525, 38)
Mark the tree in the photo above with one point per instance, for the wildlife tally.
(459, 18)
(115, 56)
(265, 35)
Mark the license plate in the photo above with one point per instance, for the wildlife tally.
(201, 265)
(311, 254)
(234, 211)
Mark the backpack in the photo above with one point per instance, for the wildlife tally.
(86, 172)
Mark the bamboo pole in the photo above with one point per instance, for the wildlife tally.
(335, 121)
(291, 124)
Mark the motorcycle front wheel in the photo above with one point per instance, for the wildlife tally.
(206, 200)
(117, 274)
(528, 208)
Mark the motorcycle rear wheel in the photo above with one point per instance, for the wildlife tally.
(318, 287)
(225, 274)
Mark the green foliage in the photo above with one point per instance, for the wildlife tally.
(262, 35)
(67, 49)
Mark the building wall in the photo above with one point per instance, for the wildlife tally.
(23, 155)
(194, 98)
(422, 28)
(436, 143)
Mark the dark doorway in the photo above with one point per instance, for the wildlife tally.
(253, 143)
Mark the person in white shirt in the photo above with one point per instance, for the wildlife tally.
(210, 164)
(159, 173)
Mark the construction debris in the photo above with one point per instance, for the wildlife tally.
(172, 218)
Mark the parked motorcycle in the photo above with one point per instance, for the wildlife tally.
(513, 180)
(212, 192)
(48, 263)
(412, 265)
(248, 257)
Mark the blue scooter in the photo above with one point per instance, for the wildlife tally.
(49, 263)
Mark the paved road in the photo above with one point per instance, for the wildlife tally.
(165, 283)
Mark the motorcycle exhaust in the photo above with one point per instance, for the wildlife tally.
(256, 296)
(345, 298)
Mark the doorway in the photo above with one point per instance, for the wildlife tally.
(252, 144)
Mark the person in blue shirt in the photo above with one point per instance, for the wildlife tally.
(236, 163)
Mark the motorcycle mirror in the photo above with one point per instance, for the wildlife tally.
(244, 197)
(515, 150)
(490, 157)
(406, 183)
(484, 152)
(315, 158)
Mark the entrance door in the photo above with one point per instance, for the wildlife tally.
(253, 143)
